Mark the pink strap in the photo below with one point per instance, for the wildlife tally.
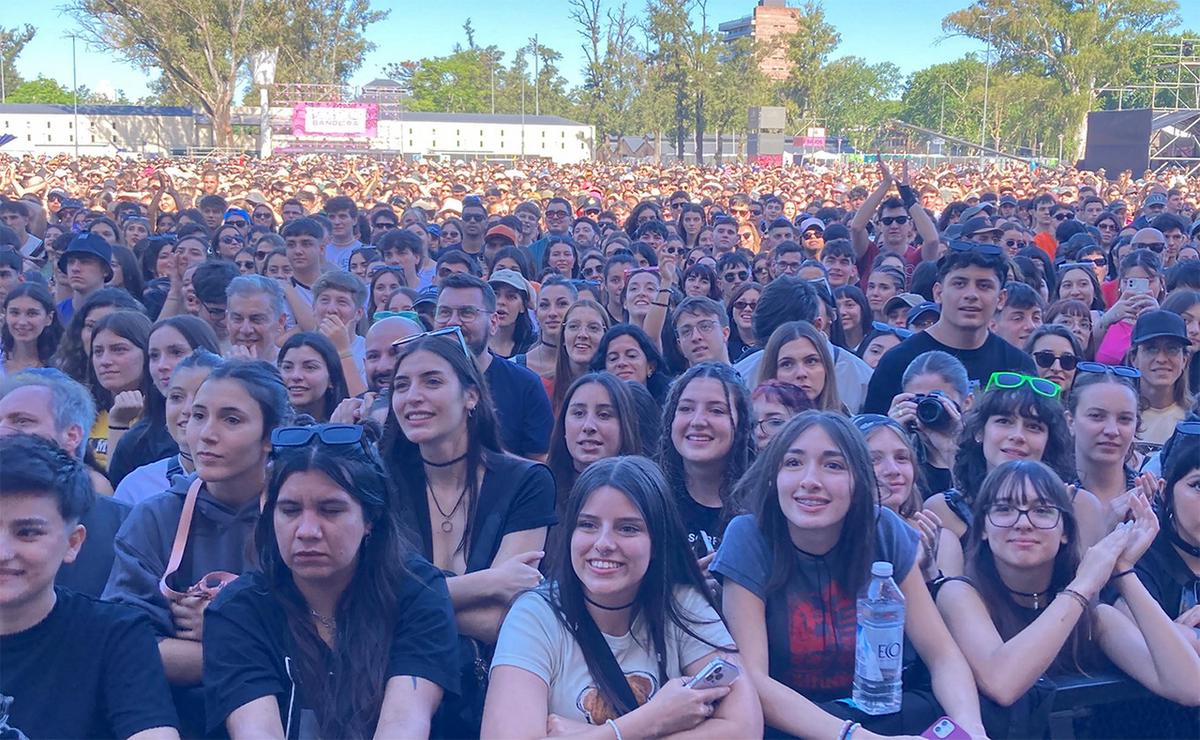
(181, 538)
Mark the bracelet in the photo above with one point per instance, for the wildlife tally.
(1122, 574)
(112, 428)
(850, 732)
(346, 355)
(1083, 602)
(616, 730)
(845, 728)
(664, 290)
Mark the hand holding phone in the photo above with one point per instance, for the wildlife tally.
(946, 729)
(719, 672)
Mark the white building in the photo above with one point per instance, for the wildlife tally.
(482, 135)
(102, 129)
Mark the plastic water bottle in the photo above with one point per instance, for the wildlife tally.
(879, 644)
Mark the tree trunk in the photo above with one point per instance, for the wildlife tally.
(699, 127)
(222, 123)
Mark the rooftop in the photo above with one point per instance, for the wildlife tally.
(96, 110)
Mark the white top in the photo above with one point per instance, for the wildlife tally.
(144, 482)
(853, 375)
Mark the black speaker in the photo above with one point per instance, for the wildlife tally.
(1118, 140)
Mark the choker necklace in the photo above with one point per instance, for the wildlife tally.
(328, 623)
(609, 608)
(553, 347)
(446, 464)
(1178, 541)
(447, 525)
(1034, 596)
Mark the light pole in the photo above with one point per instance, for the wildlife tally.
(263, 72)
(987, 69)
(75, 95)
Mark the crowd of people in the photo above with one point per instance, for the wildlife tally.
(328, 446)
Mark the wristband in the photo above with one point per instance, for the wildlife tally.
(112, 428)
(345, 355)
(845, 727)
(907, 196)
(1083, 602)
(656, 303)
(616, 730)
(1122, 574)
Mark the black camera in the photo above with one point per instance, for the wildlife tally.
(932, 413)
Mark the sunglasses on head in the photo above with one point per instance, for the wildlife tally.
(1045, 359)
(450, 332)
(883, 328)
(1121, 371)
(964, 246)
(889, 220)
(327, 434)
(1005, 380)
(640, 270)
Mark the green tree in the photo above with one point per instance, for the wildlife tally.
(945, 97)
(201, 47)
(41, 90)
(612, 70)
(853, 96)
(1080, 45)
(736, 84)
(12, 43)
(806, 52)
(668, 28)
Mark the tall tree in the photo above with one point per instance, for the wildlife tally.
(1078, 44)
(201, 47)
(613, 67)
(12, 43)
(806, 51)
(668, 28)
(854, 96)
(945, 97)
(41, 90)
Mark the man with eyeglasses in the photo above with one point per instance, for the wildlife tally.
(786, 259)
(702, 331)
(558, 217)
(383, 220)
(522, 407)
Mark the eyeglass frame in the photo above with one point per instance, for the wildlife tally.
(1056, 358)
(353, 433)
(445, 331)
(884, 328)
(1028, 516)
(1033, 381)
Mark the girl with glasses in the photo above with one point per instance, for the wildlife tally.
(774, 403)
(345, 630)
(1029, 602)
(597, 420)
(245, 262)
(1055, 351)
(584, 325)
(742, 303)
(625, 619)
(792, 569)
(481, 515)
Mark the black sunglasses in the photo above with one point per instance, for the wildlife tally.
(1015, 243)
(1152, 246)
(1063, 215)
(889, 220)
(732, 277)
(329, 434)
(1045, 360)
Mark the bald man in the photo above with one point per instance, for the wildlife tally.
(379, 359)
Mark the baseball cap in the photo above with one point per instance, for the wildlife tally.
(811, 223)
(89, 245)
(1159, 323)
(454, 205)
(1154, 199)
(589, 205)
(1195, 227)
(903, 300)
(502, 231)
(1008, 200)
(978, 225)
(426, 295)
(921, 309)
(511, 278)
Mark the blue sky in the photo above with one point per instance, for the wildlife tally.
(906, 34)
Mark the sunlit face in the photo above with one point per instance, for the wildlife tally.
(553, 302)
(118, 362)
(625, 359)
(801, 365)
(319, 528)
(179, 395)
(1013, 437)
(814, 484)
(253, 323)
(640, 292)
(610, 547)
(1058, 348)
(591, 425)
(510, 302)
(581, 334)
(969, 297)
(429, 401)
(386, 285)
(704, 422)
(696, 285)
(26, 319)
(562, 258)
(1161, 361)
(278, 267)
(306, 376)
(358, 265)
(1076, 284)
(895, 470)
(1104, 422)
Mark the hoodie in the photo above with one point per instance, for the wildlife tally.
(221, 538)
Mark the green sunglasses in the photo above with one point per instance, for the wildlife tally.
(1008, 381)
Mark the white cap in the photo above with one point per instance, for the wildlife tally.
(881, 569)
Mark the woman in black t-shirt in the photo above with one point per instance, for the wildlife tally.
(346, 632)
(706, 446)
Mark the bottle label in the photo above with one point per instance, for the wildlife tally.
(880, 651)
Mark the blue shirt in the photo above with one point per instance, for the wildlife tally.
(522, 407)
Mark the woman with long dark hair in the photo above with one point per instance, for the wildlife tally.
(73, 353)
(855, 314)
(689, 222)
(740, 305)
(553, 300)
(515, 333)
(793, 569)
(171, 340)
(625, 618)
(701, 280)
(127, 272)
(627, 352)
(346, 629)
(707, 445)
(116, 377)
(1027, 605)
(798, 353)
(481, 515)
(312, 372)
(30, 332)
(597, 420)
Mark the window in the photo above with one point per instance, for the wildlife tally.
(563, 134)
(48, 124)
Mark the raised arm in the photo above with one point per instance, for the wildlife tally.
(858, 225)
(925, 226)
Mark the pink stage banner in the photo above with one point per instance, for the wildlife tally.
(348, 120)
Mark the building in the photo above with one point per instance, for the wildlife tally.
(770, 21)
(485, 136)
(102, 129)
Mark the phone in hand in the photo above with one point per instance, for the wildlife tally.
(1134, 285)
(718, 672)
(945, 729)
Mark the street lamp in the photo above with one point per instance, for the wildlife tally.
(987, 69)
(75, 95)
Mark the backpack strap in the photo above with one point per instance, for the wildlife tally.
(607, 662)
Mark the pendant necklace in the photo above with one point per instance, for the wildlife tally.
(328, 623)
(447, 525)
(1035, 596)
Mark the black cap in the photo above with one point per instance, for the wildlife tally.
(978, 225)
(1008, 200)
(1159, 323)
(88, 244)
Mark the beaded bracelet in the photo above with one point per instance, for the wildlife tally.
(1083, 602)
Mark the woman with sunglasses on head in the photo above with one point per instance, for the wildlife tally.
(799, 354)
(1056, 352)
(152, 478)
(1159, 351)
(30, 332)
(481, 515)
(608, 645)
(1139, 286)
(383, 284)
(792, 569)
(626, 352)
(172, 572)
(584, 325)
(150, 439)
(1027, 605)
(881, 338)
(345, 630)
(553, 300)
(312, 372)
(707, 444)
(598, 419)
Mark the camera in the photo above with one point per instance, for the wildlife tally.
(932, 413)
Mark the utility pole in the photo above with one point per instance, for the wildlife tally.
(3, 85)
(493, 67)
(537, 81)
(987, 69)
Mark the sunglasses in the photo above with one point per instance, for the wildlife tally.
(262, 255)
(1045, 359)
(1016, 243)
(964, 246)
(641, 271)
(328, 434)
(380, 225)
(231, 240)
(895, 331)
(450, 332)
(246, 265)
(1005, 380)
(889, 220)
(1152, 246)
(1063, 215)
(734, 277)
(744, 305)
(238, 223)
(1121, 371)
(474, 217)
(1089, 266)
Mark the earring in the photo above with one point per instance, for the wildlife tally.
(470, 411)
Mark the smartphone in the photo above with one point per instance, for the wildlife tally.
(945, 729)
(1135, 285)
(718, 672)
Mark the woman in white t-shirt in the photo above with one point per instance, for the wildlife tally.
(624, 588)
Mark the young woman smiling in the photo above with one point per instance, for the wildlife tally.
(741, 305)
(584, 325)
(1056, 352)
(1028, 603)
(626, 352)
(345, 629)
(30, 331)
(608, 645)
(555, 297)
(597, 420)
(1102, 413)
(313, 375)
(792, 570)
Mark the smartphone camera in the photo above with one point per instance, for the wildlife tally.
(943, 728)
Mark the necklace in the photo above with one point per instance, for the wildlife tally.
(447, 525)
(609, 608)
(1177, 539)
(328, 623)
(446, 464)
(1035, 596)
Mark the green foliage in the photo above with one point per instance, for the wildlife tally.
(12, 43)
(946, 97)
(41, 90)
(807, 51)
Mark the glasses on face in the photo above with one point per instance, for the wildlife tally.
(231, 240)
(768, 427)
(889, 220)
(450, 332)
(464, 313)
(238, 223)
(740, 211)
(474, 217)
(556, 213)
(1005, 380)
(790, 268)
(592, 272)
(1045, 359)
(896, 331)
(383, 225)
(1106, 226)
(262, 255)
(1063, 215)
(217, 312)
(738, 276)
(745, 305)
(704, 327)
(328, 434)
(1016, 243)
(1006, 516)
(1152, 246)
(245, 265)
